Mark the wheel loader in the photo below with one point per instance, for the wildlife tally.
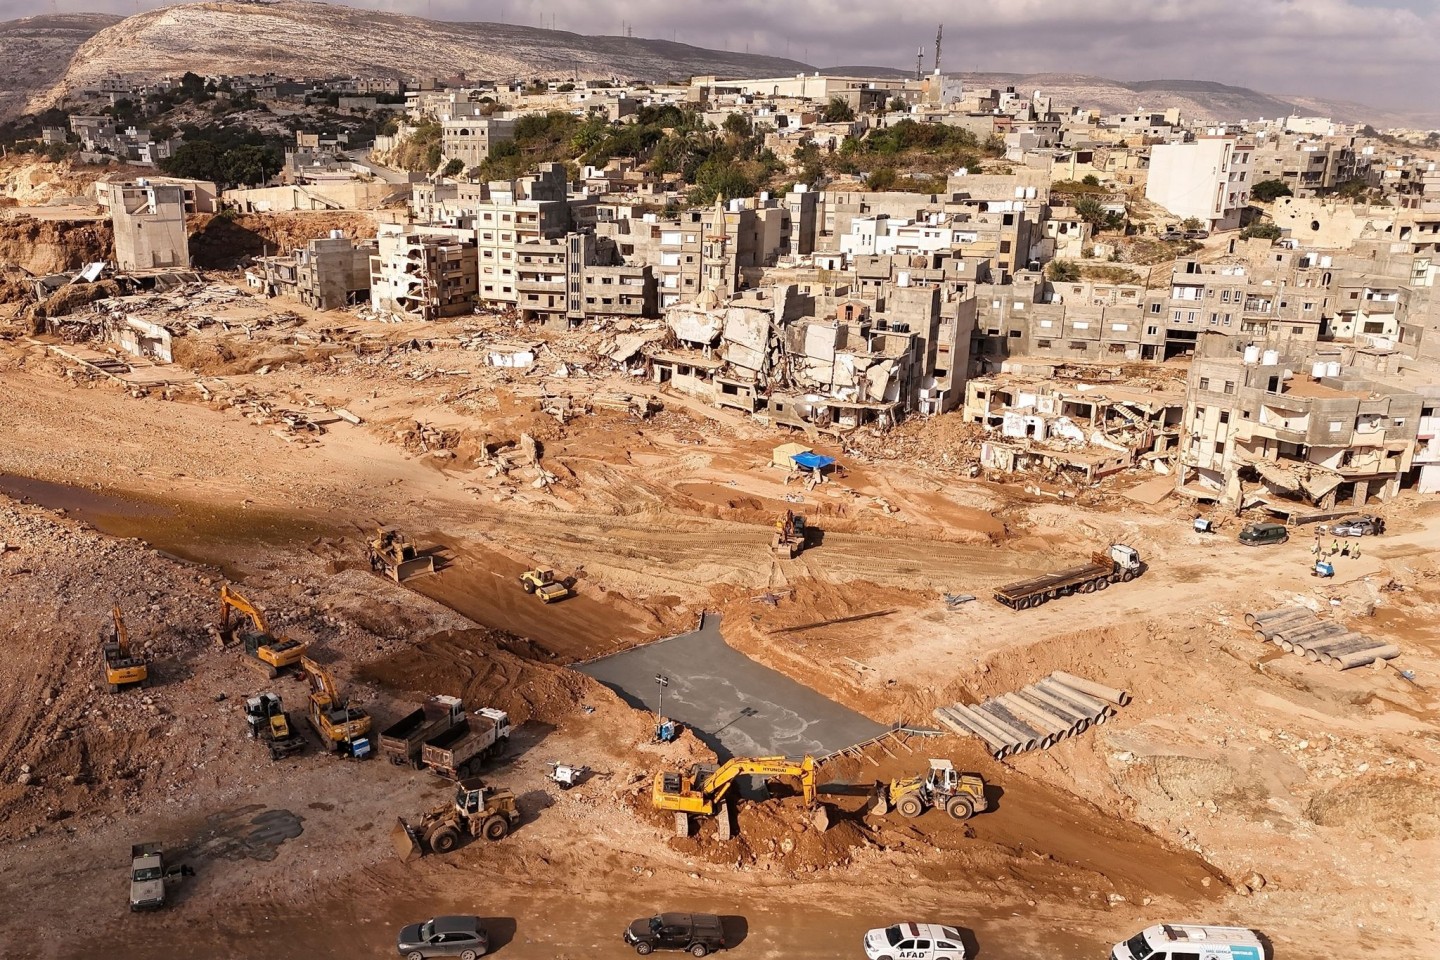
(477, 811)
(122, 666)
(392, 554)
(960, 795)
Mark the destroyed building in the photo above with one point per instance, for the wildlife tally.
(1288, 434)
(423, 272)
(328, 273)
(579, 276)
(149, 224)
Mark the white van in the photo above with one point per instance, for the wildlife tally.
(1184, 941)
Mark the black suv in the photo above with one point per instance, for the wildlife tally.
(699, 933)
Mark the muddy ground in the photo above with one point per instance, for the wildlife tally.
(1241, 785)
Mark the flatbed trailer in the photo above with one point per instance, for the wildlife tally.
(1119, 564)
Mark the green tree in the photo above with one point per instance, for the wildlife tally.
(1192, 223)
(898, 105)
(881, 179)
(192, 86)
(837, 111)
(738, 124)
(1090, 210)
(248, 165)
(1090, 180)
(1262, 230)
(1267, 190)
(454, 168)
(1063, 271)
(196, 160)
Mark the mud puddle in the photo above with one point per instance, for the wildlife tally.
(201, 533)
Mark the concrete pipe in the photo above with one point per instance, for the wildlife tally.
(1361, 658)
(966, 717)
(1331, 631)
(1271, 628)
(1089, 705)
(1016, 743)
(1026, 734)
(1316, 650)
(1078, 718)
(1032, 714)
(1115, 695)
(1044, 739)
(957, 720)
(1264, 616)
(1318, 629)
(1333, 655)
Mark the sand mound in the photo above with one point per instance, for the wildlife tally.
(1398, 807)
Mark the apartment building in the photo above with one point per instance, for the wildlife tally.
(148, 220)
(1307, 166)
(1208, 179)
(424, 272)
(580, 276)
(1294, 433)
(470, 139)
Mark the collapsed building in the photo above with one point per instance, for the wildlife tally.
(424, 272)
(328, 273)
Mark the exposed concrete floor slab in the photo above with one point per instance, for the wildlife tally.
(735, 705)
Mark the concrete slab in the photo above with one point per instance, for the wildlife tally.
(735, 705)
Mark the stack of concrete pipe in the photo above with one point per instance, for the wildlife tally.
(1036, 717)
(1299, 631)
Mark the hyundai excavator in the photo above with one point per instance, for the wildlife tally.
(267, 652)
(704, 789)
(122, 666)
(342, 728)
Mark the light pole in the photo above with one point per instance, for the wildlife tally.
(662, 682)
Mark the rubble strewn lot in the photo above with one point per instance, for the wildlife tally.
(1242, 784)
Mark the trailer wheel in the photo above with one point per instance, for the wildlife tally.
(1088, 586)
(496, 828)
(1102, 583)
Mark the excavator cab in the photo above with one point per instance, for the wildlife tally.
(266, 651)
(122, 667)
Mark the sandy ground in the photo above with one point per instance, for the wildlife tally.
(1242, 785)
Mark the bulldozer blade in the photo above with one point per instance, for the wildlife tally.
(405, 841)
(409, 569)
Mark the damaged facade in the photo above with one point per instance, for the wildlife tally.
(149, 224)
(423, 272)
(328, 273)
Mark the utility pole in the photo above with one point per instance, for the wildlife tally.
(662, 682)
(939, 31)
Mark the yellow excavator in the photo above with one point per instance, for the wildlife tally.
(268, 652)
(122, 667)
(341, 727)
(704, 789)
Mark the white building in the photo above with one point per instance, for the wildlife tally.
(883, 235)
(1208, 179)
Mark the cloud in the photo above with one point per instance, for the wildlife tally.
(1382, 52)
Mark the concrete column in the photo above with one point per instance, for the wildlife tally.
(1362, 493)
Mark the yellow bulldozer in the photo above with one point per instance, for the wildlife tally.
(392, 554)
(477, 811)
(704, 789)
(267, 652)
(941, 787)
(791, 536)
(123, 667)
(341, 728)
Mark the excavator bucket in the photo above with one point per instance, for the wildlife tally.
(414, 567)
(407, 845)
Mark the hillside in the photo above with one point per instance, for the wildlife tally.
(37, 50)
(317, 39)
(1198, 99)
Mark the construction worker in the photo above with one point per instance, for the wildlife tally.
(1334, 547)
(1345, 550)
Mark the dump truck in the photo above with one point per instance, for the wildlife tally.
(266, 652)
(401, 742)
(941, 787)
(463, 749)
(267, 721)
(147, 877)
(1119, 564)
(477, 810)
(122, 666)
(392, 554)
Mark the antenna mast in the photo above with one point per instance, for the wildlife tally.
(940, 30)
(919, 62)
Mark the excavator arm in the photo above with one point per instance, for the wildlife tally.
(322, 685)
(122, 638)
(230, 601)
(719, 782)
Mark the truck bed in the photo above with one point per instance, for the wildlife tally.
(405, 728)
(1049, 581)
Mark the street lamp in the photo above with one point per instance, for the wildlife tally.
(662, 681)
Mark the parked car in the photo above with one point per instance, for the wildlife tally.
(1364, 526)
(461, 937)
(1258, 534)
(1196, 234)
(1191, 940)
(697, 933)
(914, 941)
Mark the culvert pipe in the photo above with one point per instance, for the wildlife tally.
(1028, 735)
(1014, 743)
(1058, 728)
(999, 747)
(1095, 709)
(1043, 700)
(1114, 694)
(1251, 619)
(1360, 658)
(1335, 637)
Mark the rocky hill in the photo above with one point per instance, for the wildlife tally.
(36, 52)
(316, 39)
(1196, 99)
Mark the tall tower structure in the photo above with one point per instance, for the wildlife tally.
(939, 31)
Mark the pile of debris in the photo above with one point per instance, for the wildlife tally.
(1035, 717)
(1299, 631)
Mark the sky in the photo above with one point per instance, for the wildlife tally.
(1385, 53)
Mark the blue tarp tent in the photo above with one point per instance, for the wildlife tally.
(812, 461)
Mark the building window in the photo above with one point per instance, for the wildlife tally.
(1155, 308)
(1224, 416)
(1229, 386)
(1297, 330)
(1204, 383)
(1042, 344)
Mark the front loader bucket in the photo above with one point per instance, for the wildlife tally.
(407, 845)
(418, 567)
(878, 803)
